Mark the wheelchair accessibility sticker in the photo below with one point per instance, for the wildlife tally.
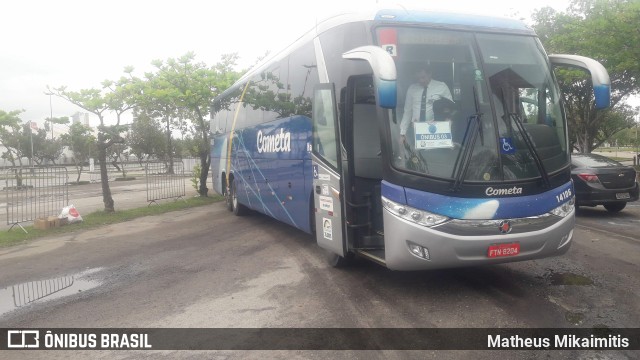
(506, 146)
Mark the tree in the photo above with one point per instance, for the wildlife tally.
(116, 97)
(38, 143)
(48, 122)
(189, 87)
(157, 104)
(607, 32)
(82, 144)
(117, 153)
(9, 128)
(187, 147)
(17, 145)
(10, 138)
(146, 139)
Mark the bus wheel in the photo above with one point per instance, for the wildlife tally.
(229, 202)
(237, 208)
(338, 261)
(227, 196)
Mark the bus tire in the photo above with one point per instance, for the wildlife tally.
(237, 208)
(227, 197)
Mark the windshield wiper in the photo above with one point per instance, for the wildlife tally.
(464, 157)
(515, 117)
(532, 149)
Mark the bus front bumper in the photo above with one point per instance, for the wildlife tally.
(447, 250)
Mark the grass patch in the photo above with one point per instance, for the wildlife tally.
(614, 149)
(100, 218)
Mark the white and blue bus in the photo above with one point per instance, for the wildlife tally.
(311, 137)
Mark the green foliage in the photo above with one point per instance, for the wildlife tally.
(115, 97)
(178, 93)
(10, 124)
(627, 138)
(82, 144)
(187, 147)
(607, 32)
(146, 138)
(43, 148)
(195, 176)
(117, 155)
(183, 89)
(64, 120)
(46, 148)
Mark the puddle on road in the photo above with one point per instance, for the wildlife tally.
(574, 318)
(569, 279)
(39, 291)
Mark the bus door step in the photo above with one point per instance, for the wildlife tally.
(376, 256)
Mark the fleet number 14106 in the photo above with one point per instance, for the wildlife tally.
(565, 195)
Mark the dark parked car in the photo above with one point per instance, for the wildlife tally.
(601, 181)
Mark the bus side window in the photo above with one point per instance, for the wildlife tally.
(324, 126)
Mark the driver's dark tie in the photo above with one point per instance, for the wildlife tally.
(423, 106)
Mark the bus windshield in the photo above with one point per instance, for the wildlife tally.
(474, 107)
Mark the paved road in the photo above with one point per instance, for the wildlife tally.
(206, 268)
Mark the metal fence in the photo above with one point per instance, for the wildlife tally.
(35, 192)
(29, 292)
(162, 183)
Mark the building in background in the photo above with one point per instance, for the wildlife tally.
(82, 118)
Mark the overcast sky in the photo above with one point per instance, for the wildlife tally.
(80, 43)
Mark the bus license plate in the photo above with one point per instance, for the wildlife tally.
(501, 250)
(621, 196)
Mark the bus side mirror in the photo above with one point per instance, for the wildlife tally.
(384, 72)
(599, 76)
(387, 94)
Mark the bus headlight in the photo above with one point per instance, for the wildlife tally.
(564, 209)
(417, 216)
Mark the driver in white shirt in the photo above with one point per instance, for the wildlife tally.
(418, 104)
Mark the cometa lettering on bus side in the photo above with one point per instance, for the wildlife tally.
(501, 192)
(278, 142)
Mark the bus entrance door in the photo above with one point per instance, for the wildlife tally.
(328, 207)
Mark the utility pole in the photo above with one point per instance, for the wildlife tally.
(51, 116)
(637, 157)
(31, 125)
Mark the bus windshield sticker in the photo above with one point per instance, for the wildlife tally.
(389, 41)
(433, 135)
(327, 231)
(506, 146)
